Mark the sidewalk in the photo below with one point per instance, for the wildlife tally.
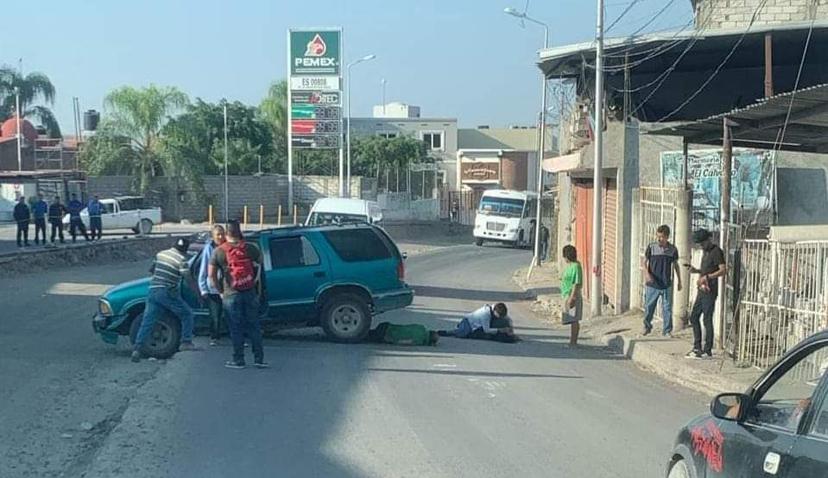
(622, 333)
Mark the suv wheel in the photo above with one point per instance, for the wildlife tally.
(346, 318)
(164, 339)
(680, 469)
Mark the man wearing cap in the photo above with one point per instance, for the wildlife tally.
(168, 271)
(712, 267)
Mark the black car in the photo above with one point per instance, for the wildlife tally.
(777, 428)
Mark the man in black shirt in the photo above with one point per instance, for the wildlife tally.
(22, 216)
(712, 267)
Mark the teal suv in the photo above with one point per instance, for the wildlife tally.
(337, 277)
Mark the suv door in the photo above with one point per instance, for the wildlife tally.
(294, 272)
(809, 456)
(762, 444)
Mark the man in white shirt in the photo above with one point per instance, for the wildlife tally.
(487, 322)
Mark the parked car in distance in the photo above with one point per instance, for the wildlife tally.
(342, 210)
(124, 212)
(337, 277)
(777, 428)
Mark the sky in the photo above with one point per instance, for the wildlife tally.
(461, 59)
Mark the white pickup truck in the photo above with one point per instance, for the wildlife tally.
(124, 212)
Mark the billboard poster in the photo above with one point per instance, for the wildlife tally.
(315, 86)
(751, 181)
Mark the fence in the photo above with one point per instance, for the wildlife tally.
(782, 298)
(460, 206)
(657, 206)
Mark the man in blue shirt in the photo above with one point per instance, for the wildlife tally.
(95, 209)
(208, 291)
(39, 209)
(661, 261)
(75, 222)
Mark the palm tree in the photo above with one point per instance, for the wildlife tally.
(138, 115)
(32, 87)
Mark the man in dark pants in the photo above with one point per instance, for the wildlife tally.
(95, 209)
(712, 267)
(75, 222)
(22, 216)
(208, 293)
(239, 263)
(40, 209)
(56, 212)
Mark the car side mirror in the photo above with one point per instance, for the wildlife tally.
(730, 406)
(405, 255)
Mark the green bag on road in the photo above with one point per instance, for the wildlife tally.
(408, 334)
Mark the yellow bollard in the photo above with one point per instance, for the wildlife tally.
(279, 216)
(261, 216)
(210, 214)
(245, 216)
(295, 213)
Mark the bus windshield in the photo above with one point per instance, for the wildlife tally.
(505, 207)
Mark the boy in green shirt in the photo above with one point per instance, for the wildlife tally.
(571, 283)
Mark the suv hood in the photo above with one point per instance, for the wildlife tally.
(122, 293)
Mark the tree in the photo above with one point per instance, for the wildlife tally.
(273, 110)
(374, 155)
(137, 116)
(33, 88)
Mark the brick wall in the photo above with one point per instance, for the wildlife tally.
(180, 202)
(724, 14)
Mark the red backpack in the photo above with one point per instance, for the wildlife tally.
(240, 268)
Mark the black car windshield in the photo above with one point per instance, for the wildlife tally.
(505, 207)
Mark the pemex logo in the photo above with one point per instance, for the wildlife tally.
(316, 47)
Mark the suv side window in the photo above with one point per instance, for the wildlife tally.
(785, 401)
(295, 251)
(357, 245)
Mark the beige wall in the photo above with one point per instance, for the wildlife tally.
(723, 14)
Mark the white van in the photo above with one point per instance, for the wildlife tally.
(341, 210)
(505, 216)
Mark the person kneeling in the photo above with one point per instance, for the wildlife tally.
(490, 322)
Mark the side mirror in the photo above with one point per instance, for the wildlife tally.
(730, 406)
(405, 255)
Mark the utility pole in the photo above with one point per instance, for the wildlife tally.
(596, 292)
(727, 167)
(383, 97)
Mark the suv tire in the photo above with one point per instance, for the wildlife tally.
(164, 339)
(346, 318)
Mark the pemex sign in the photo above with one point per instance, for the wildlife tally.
(315, 52)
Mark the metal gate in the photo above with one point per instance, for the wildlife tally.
(460, 206)
(782, 296)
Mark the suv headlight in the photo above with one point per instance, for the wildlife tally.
(104, 308)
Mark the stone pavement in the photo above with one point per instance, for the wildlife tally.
(622, 333)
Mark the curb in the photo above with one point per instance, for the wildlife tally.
(669, 367)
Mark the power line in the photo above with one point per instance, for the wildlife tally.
(626, 10)
(721, 65)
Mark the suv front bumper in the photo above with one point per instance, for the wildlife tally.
(100, 324)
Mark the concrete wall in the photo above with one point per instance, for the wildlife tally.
(181, 202)
(398, 207)
(722, 14)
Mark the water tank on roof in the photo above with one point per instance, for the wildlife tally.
(90, 120)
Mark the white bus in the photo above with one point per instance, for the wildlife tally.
(507, 217)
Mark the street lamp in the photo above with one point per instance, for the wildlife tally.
(348, 108)
(541, 129)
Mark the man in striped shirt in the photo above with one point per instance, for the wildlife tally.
(168, 270)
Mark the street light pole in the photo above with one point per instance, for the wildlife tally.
(19, 136)
(536, 260)
(596, 292)
(226, 183)
(348, 108)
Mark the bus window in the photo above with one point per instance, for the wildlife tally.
(505, 207)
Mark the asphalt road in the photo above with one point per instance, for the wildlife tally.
(75, 406)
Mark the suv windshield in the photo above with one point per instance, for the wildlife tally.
(322, 218)
(505, 207)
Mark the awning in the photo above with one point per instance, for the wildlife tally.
(760, 124)
(561, 164)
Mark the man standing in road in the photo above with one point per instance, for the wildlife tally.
(168, 271)
(712, 267)
(40, 209)
(95, 209)
(661, 261)
(240, 265)
(75, 222)
(56, 212)
(22, 216)
(209, 293)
